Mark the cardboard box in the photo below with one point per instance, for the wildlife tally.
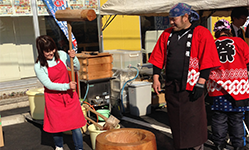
(158, 99)
(1, 134)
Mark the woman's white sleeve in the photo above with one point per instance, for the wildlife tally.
(42, 75)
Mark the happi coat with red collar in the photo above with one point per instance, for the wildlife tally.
(231, 78)
(187, 119)
(203, 54)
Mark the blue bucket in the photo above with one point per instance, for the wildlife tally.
(104, 112)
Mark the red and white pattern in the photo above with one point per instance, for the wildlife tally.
(234, 87)
(229, 74)
(231, 81)
(193, 74)
(194, 63)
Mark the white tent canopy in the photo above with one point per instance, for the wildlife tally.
(162, 7)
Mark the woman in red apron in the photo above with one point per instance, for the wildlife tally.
(62, 106)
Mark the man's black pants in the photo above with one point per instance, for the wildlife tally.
(228, 122)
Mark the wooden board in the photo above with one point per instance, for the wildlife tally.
(91, 54)
(158, 99)
(93, 58)
(94, 76)
(1, 134)
(96, 68)
(96, 60)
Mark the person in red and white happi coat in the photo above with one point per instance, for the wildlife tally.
(187, 51)
(228, 86)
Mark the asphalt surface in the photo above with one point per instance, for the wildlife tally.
(28, 135)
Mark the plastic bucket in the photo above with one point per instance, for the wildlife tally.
(104, 112)
(36, 103)
(95, 131)
(85, 114)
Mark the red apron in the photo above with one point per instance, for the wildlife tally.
(62, 108)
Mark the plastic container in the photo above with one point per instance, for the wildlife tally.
(151, 38)
(104, 112)
(140, 98)
(121, 77)
(36, 103)
(116, 84)
(116, 95)
(93, 131)
(123, 58)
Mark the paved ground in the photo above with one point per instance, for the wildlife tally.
(30, 136)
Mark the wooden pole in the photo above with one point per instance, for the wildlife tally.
(69, 27)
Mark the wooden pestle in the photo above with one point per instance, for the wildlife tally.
(110, 122)
(93, 111)
(96, 124)
(70, 16)
(75, 15)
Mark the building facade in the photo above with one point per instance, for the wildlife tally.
(19, 29)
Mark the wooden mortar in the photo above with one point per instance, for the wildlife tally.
(126, 139)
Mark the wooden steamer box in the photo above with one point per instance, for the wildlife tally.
(94, 65)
